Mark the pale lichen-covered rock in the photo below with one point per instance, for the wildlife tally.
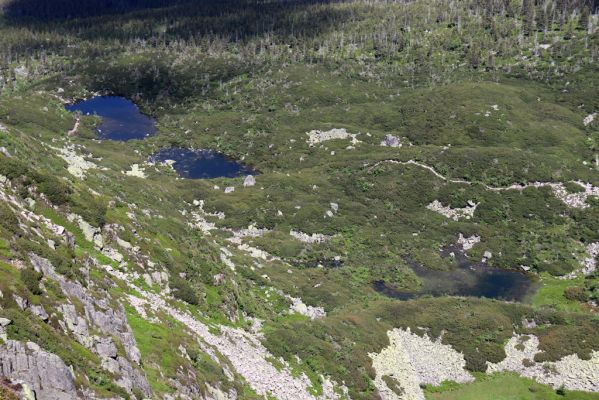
(313, 238)
(411, 360)
(589, 119)
(468, 243)
(316, 136)
(136, 171)
(249, 181)
(298, 306)
(391, 141)
(90, 233)
(589, 263)
(4, 322)
(45, 373)
(455, 214)
(76, 164)
(570, 372)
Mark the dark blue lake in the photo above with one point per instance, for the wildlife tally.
(121, 118)
(466, 279)
(201, 164)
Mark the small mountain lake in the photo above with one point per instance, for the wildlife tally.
(466, 279)
(201, 164)
(121, 118)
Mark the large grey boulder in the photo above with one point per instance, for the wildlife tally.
(249, 181)
(4, 322)
(45, 373)
(391, 141)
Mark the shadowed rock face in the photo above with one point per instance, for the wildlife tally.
(43, 372)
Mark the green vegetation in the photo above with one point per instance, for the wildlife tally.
(481, 95)
(502, 387)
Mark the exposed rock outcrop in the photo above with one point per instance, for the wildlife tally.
(106, 318)
(570, 372)
(45, 373)
(249, 181)
(411, 360)
(298, 306)
(315, 137)
(455, 214)
(313, 238)
(391, 141)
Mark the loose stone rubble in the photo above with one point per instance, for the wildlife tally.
(468, 243)
(247, 355)
(315, 137)
(76, 164)
(589, 264)
(137, 171)
(411, 360)
(299, 307)
(573, 200)
(453, 213)
(199, 218)
(313, 238)
(570, 372)
(589, 119)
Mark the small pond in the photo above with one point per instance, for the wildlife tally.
(201, 164)
(121, 118)
(467, 279)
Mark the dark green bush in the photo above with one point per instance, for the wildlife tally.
(13, 168)
(576, 293)
(8, 219)
(56, 191)
(31, 279)
(91, 208)
(183, 291)
(61, 259)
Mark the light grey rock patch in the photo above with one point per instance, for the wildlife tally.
(455, 214)
(4, 322)
(76, 164)
(570, 372)
(468, 243)
(315, 137)
(298, 306)
(589, 263)
(136, 171)
(21, 302)
(249, 181)
(313, 238)
(412, 360)
(391, 141)
(90, 233)
(46, 374)
(39, 312)
(589, 119)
